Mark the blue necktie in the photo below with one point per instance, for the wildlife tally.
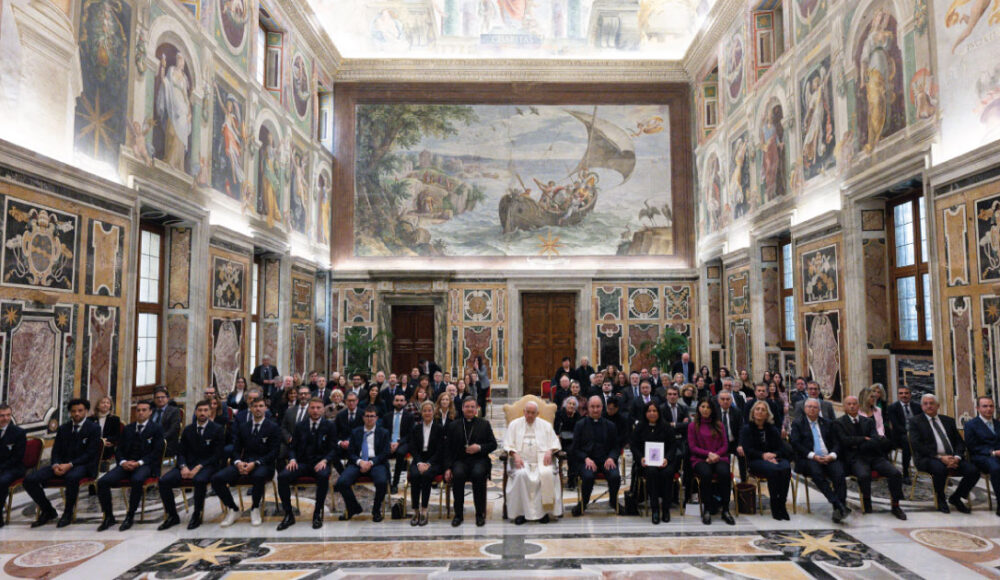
(395, 426)
(817, 440)
(364, 446)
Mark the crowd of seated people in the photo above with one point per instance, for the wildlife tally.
(429, 425)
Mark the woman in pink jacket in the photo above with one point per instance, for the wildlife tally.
(710, 462)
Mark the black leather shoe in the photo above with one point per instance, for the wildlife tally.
(480, 521)
(898, 512)
(866, 506)
(423, 520)
(577, 511)
(195, 521)
(347, 515)
(44, 518)
(318, 520)
(545, 519)
(394, 489)
(457, 521)
(65, 520)
(106, 523)
(171, 521)
(943, 507)
(706, 518)
(656, 517)
(728, 518)
(998, 509)
(519, 521)
(959, 505)
(377, 515)
(838, 515)
(416, 519)
(1, 519)
(846, 509)
(665, 516)
(127, 523)
(286, 523)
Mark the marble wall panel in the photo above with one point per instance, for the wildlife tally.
(175, 374)
(319, 349)
(872, 220)
(820, 275)
(179, 281)
(228, 283)
(334, 327)
(476, 341)
(227, 352)
(476, 326)
(738, 286)
(643, 303)
(956, 246)
(917, 373)
(991, 343)
(988, 238)
(774, 361)
(359, 305)
(638, 334)
(963, 354)
(269, 339)
(609, 302)
(104, 258)
(272, 288)
(302, 299)
(100, 346)
(477, 305)
(40, 246)
(876, 294)
(610, 344)
(772, 306)
(823, 351)
(300, 348)
(715, 312)
(33, 371)
(740, 346)
(677, 302)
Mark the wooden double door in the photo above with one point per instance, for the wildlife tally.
(412, 336)
(549, 327)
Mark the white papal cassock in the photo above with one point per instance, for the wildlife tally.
(533, 490)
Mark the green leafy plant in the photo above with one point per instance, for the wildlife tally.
(359, 348)
(667, 349)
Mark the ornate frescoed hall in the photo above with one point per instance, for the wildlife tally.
(612, 289)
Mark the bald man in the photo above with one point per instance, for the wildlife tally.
(864, 452)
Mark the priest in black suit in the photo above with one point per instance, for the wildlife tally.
(469, 444)
(140, 456)
(13, 442)
(199, 456)
(938, 449)
(255, 450)
(899, 414)
(595, 450)
(398, 423)
(75, 455)
(864, 451)
(310, 454)
(368, 454)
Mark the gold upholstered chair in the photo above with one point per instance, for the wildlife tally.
(511, 411)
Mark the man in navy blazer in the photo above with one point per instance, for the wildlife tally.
(899, 415)
(140, 456)
(398, 423)
(982, 437)
(938, 449)
(75, 455)
(368, 454)
(199, 456)
(13, 442)
(310, 454)
(816, 457)
(254, 452)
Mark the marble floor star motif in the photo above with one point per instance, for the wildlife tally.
(196, 554)
(825, 544)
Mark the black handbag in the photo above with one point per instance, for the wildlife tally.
(398, 510)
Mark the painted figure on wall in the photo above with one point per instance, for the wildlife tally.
(970, 19)
(818, 137)
(104, 56)
(714, 210)
(268, 178)
(233, 14)
(988, 232)
(299, 198)
(734, 66)
(879, 101)
(301, 92)
(772, 152)
(229, 139)
(923, 94)
(323, 204)
(172, 134)
(739, 180)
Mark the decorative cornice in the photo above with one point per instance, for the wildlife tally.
(514, 70)
(304, 20)
(718, 22)
(972, 168)
(816, 228)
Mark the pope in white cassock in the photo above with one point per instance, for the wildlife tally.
(533, 488)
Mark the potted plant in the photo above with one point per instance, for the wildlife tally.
(667, 349)
(359, 348)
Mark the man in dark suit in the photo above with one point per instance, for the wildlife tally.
(439, 385)
(75, 455)
(864, 452)
(637, 405)
(686, 367)
(13, 442)
(311, 454)
(347, 420)
(899, 414)
(655, 378)
(398, 423)
(392, 388)
(277, 400)
(368, 454)
(255, 450)
(982, 436)
(678, 415)
(732, 421)
(199, 456)
(140, 457)
(812, 392)
(939, 450)
(246, 415)
(622, 421)
(595, 450)
(816, 456)
(266, 376)
(470, 440)
(799, 393)
(168, 417)
(322, 391)
(295, 415)
(428, 367)
(583, 372)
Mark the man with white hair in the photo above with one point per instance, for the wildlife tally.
(533, 490)
(939, 450)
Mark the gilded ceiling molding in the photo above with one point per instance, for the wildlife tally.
(520, 70)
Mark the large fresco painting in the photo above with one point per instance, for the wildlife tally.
(818, 133)
(968, 39)
(513, 180)
(173, 108)
(227, 352)
(104, 66)
(880, 103)
(823, 353)
(299, 205)
(229, 140)
(808, 13)
(988, 236)
(772, 154)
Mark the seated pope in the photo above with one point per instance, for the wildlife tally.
(533, 489)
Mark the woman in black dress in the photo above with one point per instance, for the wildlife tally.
(659, 478)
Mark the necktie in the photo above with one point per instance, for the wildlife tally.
(314, 428)
(320, 392)
(156, 417)
(395, 426)
(138, 429)
(364, 446)
(989, 425)
(76, 428)
(350, 417)
(256, 429)
(907, 411)
(201, 431)
(673, 413)
(301, 415)
(725, 419)
(817, 440)
(948, 450)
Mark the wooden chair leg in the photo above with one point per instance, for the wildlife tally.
(989, 496)
(239, 493)
(185, 498)
(297, 505)
(913, 487)
(805, 483)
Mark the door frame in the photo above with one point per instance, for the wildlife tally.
(439, 300)
(582, 287)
